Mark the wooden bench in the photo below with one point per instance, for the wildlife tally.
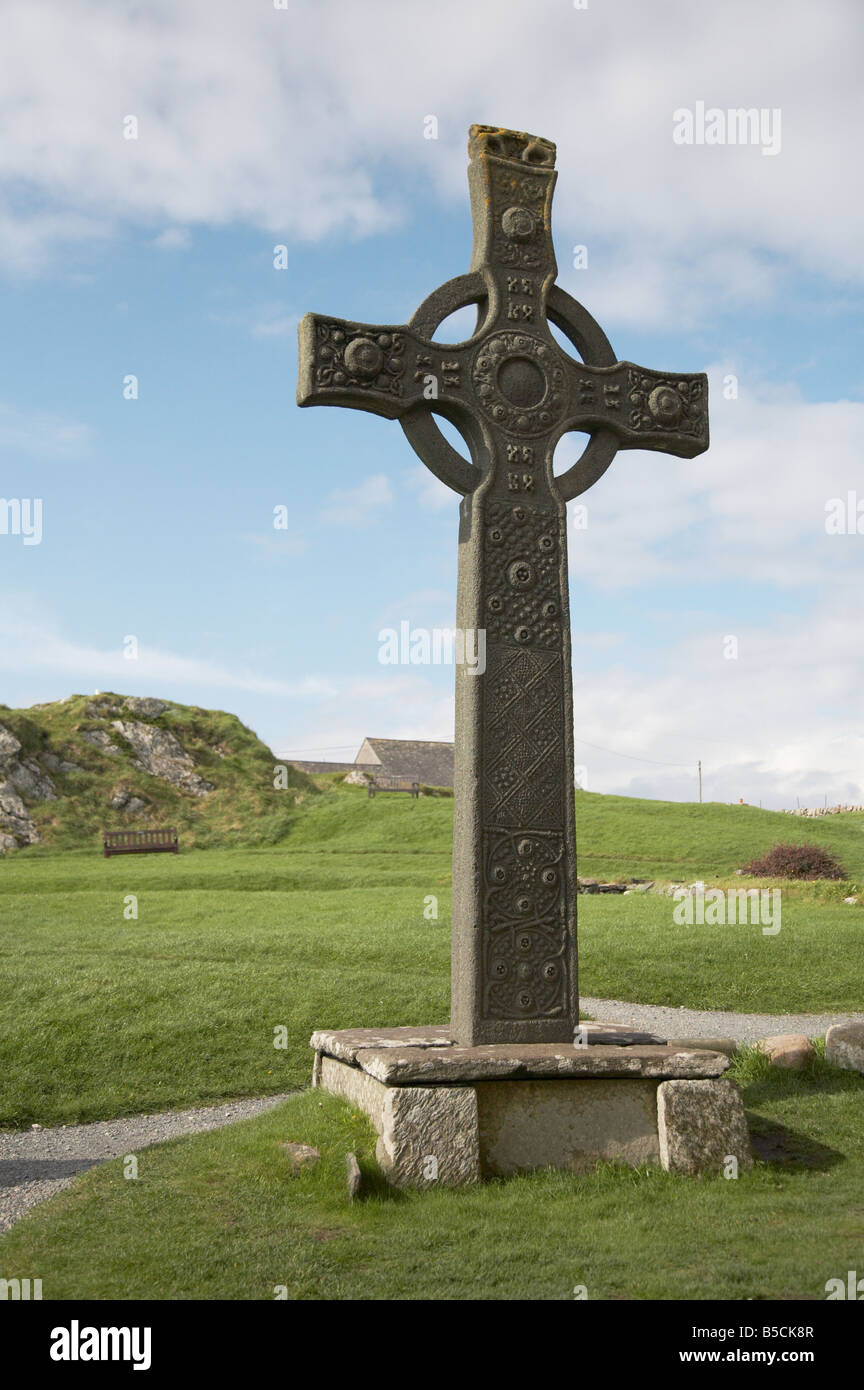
(394, 784)
(140, 842)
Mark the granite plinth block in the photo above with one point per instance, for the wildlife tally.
(450, 1115)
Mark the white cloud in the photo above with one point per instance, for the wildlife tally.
(173, 239)
(41, 436)
(398, 704)
(296, 120)
(346, 506)
(782, 720)
(31, 644)
(751, 510)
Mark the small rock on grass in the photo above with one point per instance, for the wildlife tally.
(300, 1155)
(793, 1051)
(355, 1177)
(844, 1046)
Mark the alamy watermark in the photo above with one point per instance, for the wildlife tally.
(738, 125)
(21, 516)
(844, 516)
(438, 646)
(720, 907)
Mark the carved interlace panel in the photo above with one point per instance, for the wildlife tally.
(524, 761)
(525, 966)
(522, 553)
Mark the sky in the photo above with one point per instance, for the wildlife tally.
(155, 157)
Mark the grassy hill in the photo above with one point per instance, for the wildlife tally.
(616, 836)
(76, 767)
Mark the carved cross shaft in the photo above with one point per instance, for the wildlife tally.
(512, 392)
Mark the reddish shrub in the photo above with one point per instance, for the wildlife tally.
(795, 861)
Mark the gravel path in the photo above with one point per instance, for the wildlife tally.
(702, 1023)
(36, 1163)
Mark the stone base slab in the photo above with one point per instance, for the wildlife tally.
(450, 1116)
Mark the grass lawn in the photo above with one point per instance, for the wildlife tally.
(219, 1216)
(105, 1015)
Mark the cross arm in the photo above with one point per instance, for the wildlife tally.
(377, 367)
(645, 409)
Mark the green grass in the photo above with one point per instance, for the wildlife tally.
(104, 1015)
(218, 1216)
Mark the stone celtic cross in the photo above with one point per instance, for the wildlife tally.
(512, 393)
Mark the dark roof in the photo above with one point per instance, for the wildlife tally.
(431, 763)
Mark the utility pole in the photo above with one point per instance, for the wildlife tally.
(699, 766)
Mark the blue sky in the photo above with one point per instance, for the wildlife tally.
(305, 126)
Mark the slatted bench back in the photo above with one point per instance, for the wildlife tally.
(140, 842)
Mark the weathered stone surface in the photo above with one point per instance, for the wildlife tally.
(417, 1066)
(353, 1176)
(345, 1043)
(16, 822)
(19, 776)
(56, 764)
(726, 1045)
(300, 1155)
(355, 1085)
(144, 705)
(29, 779)
(700, 1125)
(99, 738)
(126, 800)
(844, 1046)
(498, 1126)
(161, 755)
(358, 779)
(428, 1136)
(616, 1034)
(793, 1051)
(511, 389)
(565, 1124)
(9, 746)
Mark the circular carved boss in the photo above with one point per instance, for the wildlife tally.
(518, 383)
(574, 321)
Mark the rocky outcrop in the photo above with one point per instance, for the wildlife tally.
(16, 824)
(9, 746)
(144, 706)
(56, 764)
(18, 775)
(160, 754)
(99, 738)
(358, 779)
(72, 769)
(125, 800)
(28, 777)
